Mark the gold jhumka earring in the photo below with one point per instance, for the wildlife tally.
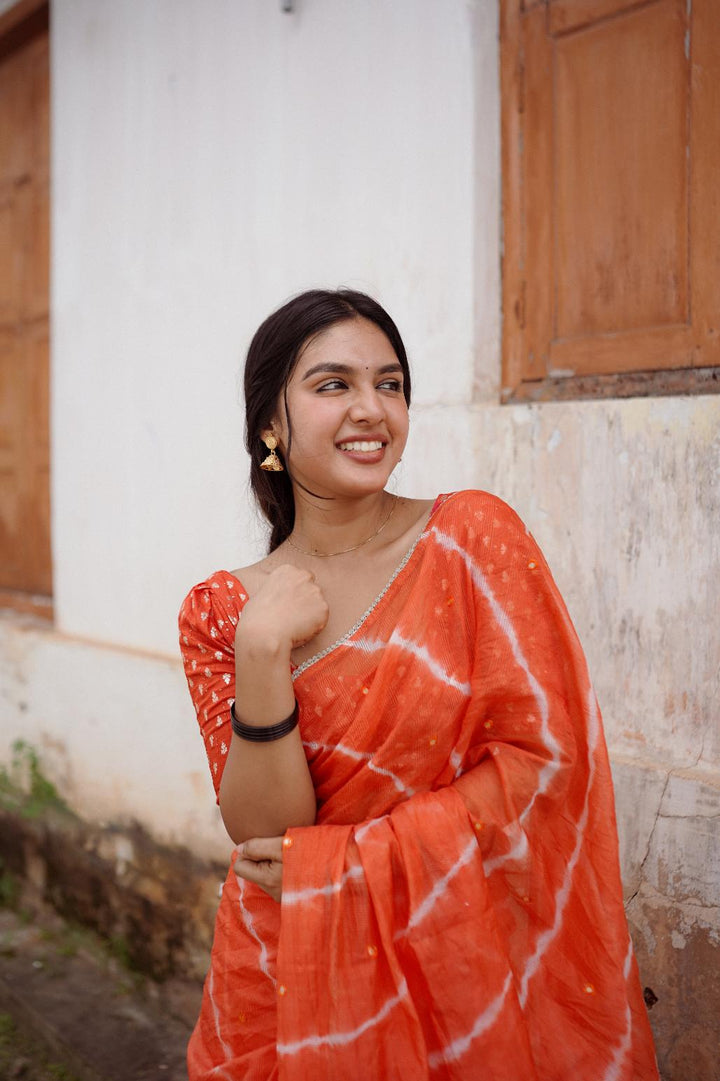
(272, 463)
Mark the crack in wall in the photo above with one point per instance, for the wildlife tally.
(649, 841)
(675, 771)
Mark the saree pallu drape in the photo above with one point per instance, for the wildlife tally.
(456, 912)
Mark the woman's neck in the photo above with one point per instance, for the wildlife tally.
(335, 526)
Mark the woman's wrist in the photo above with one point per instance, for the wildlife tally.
(261, 644)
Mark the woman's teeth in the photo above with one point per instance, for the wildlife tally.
(375, 445)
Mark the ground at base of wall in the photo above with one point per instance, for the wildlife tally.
(70, 1011)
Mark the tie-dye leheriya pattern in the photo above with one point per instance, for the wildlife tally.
(456, 912)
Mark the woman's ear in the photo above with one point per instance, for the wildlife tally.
(273, 432)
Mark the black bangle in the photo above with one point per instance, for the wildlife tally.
(263, 733)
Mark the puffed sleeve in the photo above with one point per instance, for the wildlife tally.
(207, 621)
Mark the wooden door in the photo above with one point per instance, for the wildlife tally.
(611, 167)
(25, 560)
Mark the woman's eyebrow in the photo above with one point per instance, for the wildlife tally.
(346, 369)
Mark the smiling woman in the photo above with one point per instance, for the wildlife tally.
(408, 755)
(344, 413)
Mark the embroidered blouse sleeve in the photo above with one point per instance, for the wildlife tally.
(207, 621)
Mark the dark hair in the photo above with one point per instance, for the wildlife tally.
(271, 359)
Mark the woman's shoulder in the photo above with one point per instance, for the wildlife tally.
(221, 595)
(472, 506)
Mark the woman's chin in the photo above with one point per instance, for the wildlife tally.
(347, 476)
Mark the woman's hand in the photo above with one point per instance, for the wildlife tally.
(260, 861)
(289, 602)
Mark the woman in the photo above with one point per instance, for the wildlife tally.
(426, 879)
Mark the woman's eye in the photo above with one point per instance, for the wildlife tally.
(391, 384)
(332, 384)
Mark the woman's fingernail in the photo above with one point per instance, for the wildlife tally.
(240, 851)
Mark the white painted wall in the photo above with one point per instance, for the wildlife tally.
(210, 159)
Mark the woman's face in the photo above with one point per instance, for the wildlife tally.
(348, 413)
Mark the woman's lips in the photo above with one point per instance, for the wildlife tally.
(369, 451)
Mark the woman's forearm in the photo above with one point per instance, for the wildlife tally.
(266, 787)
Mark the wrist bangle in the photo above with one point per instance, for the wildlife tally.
(263, 733)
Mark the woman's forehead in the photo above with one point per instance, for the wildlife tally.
(353, 342)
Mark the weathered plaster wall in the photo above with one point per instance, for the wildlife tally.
(113, 731)
(624, 497)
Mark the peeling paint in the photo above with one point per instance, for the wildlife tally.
(554, 441)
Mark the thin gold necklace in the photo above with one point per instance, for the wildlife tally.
(342, 551)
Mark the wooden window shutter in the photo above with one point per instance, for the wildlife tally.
(611, 197)
(25, 559)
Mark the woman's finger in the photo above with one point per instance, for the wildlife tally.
(267, 874)
(261, 848)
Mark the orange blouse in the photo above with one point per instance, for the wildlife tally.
(456, 912)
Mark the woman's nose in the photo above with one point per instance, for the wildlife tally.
(366, 406)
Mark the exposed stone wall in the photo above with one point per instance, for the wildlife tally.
(153, 904)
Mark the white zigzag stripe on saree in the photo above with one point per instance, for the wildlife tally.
(337, 1039)
(249, 923)
(455, 1050)
(437, 670)
(297, 897)
(227, 1050)
(360, 756)
(613, 1071)
(440, 887)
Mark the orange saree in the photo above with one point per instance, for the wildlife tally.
(456, 911)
